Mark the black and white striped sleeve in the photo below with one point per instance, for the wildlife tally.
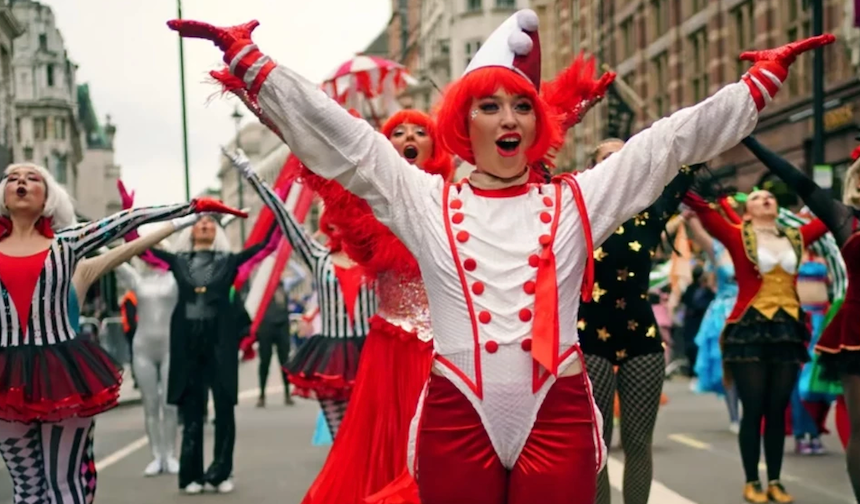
(308, 249)
(87, 237)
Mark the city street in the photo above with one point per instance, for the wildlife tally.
(696, 459)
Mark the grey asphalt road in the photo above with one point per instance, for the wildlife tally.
(695, 456)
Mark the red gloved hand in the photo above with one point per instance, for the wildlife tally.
(223, 37)
(601, 85)
(202, 205)
(788, 53)
(246, 346)
(126, 197)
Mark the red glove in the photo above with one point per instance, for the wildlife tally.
(246, 346)
(773, 64)
(202, 205)
(855, 154)
(695, 201)
(224, 38)
(126, 197)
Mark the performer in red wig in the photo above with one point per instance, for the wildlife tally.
(508, 404)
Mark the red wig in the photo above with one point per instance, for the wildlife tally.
(440, 161)
(453, 115)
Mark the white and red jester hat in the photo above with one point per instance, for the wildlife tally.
(515, 45)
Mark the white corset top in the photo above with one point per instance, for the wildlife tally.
(785, 258)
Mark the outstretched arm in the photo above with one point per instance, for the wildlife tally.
(631, 179)
(714, 223)
(302, 242)
(699, 235)
(329, 140)
(833, 213)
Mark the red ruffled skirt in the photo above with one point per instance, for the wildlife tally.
(369, 451)
(325, 367)
(839, 345)
(53, 382)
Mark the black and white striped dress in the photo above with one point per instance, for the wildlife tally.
(46, 373)
(326, 364)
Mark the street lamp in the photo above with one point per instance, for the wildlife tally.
(237, 118)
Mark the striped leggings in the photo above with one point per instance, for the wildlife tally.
(334, 410)
(46, 460)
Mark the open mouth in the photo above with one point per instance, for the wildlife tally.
(508, 145)
(410, 152)
(21, 191)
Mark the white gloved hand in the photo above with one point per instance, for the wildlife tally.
(180, 223)
(239, 161)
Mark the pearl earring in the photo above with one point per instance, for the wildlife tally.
(474, 114)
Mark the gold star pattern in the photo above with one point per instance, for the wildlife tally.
(620, 304)
(641, 219)
(597, 292)
(621, 354)
(603, 334)
(685, 169)
(620, 230)
(632, 325)
(622, 275)
(652, 331)
(580, 324)
(652, 252)
(599, 254)
(635, 246)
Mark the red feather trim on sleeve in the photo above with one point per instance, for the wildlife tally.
(364, 239)
(575, 90)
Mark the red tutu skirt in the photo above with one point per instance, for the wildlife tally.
(369, 451)
(839, 345)
(53, 382)
(325, 367)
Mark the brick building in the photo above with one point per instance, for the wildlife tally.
(674, 53)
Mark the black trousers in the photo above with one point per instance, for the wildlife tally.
(273, 337)
(193, 408)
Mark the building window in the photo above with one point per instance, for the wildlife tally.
(18, 129)
(60, 170)
(61, 128)
(506, 4)
(660, 83)
(698, 47)
(40, 128)
(659, 18)
(28, 153)
(697, 5)
(743, 22)
(473, 5)
(627, 45)
(50, 133)
(43, 41)
(471, 48)
(50, 72)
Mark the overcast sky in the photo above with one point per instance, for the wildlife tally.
(131, 61)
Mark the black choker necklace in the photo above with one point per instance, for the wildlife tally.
(505, 179)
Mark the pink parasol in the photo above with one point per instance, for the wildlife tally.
(368, 77)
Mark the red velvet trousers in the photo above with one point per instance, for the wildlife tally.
(458, 465)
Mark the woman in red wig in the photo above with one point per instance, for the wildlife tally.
(508, 404)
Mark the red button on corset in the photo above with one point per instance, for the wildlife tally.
(456, 204)
(547, 201)
(463, 236)
(470, 264)
(529, 287)
(545, 217)
(527, 344)
(478, 288)
(491, 346)
(525, 314)
(484, 317)
(457, 218)
(534, 260)
(545, 239)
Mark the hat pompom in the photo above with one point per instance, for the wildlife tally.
(520, 43)
(527, 19)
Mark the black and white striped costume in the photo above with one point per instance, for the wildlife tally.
(326, 365)
(52, 383)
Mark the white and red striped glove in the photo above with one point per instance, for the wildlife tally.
(770, 67)
(240, 52)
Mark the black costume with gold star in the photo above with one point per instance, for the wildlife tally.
(619, 322)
